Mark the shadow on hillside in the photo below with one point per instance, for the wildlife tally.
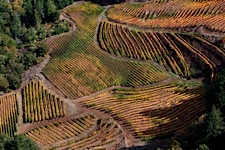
(153, 144)
(107, 2)
(178, 116)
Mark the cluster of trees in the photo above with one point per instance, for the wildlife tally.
(62, 3)
(23, 24)
(210, 132)
(10, 67)
(39, 11)
(19, 142)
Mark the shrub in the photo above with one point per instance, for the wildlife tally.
(4, 84)
(42, 49)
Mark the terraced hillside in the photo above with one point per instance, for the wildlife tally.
(178, 15)
(153, 110)
(80, 133)
(180, 53)
(124, 74)
(81, 68)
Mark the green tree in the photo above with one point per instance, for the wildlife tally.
(174, 145)
(203, 147)
(21, 142)
(215, 125)
(2, 68)
(2, 22)
(3, 59)
(29, 60)
(3, 141)
(4, 84)
(42, 49)
(62, 3)
(39, 6)
(51, 14)
(15, 25)
(6, 41)
(14, 80)
(37, 18)
(13, 77)
(30, 35)
(218, 90)
(27, 18)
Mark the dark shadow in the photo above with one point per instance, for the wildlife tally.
(107, 2)
(152, 144)
(180, 116)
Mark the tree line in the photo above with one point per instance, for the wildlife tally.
(19, 142)
(23, 24)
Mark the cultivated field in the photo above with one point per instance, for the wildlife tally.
(182, 15)
(125, 74)
(8, 114)
(150, 111)
(81, 68)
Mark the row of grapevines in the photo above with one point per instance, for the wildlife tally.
(152, 110)
(168, 49)
(107, 135)
(172, 15)
(80, 67)
(180, 9)
(119, 40)
(62, 132)
(8, 114)
(39, 104)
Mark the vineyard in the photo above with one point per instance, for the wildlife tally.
(81, 68)
(177, 15)
(171, 50)
(39, 104)
(152, 110)
(80, 133)
(8, 114)
(124, 75)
